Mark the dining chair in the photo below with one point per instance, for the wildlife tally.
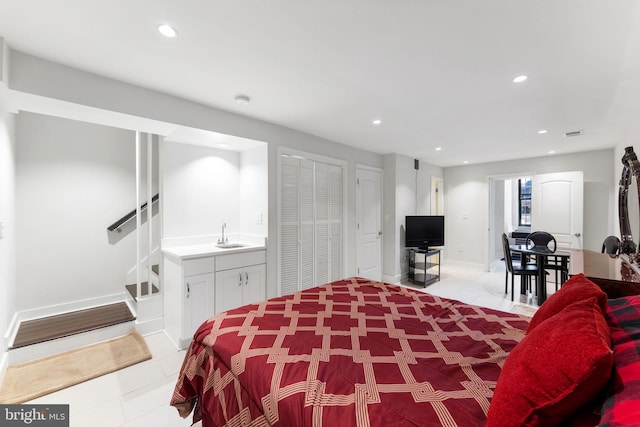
(611, 245)
(545, 239)
(516, 268)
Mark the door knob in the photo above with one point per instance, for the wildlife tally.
(577, 234)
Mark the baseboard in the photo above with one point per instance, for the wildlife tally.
(150, 326)
(394, 280)
(463, 264)
(181, 344)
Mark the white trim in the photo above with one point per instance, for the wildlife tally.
(471, 265)
(310, 156)
(489, 214)
(394, 280)
(150, 326)
(138, 213)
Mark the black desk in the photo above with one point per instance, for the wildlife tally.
(541, 254)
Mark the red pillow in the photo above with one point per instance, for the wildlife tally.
(577, 288)
(557, 368)
(623, 406)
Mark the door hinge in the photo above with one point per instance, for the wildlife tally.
(358, 181)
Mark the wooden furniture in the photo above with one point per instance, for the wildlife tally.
(613, 273)
(424, 266)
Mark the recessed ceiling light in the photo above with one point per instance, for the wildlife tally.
(438, 148)
(520, 79)
(242, 99)
(466, 162)
(376, 121)
(167, 31)
(552, 152)
(542, 131)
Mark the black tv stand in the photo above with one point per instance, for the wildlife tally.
(425, 270)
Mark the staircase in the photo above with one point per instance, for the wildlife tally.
(148, 305)
(46, 335)
(144, 286)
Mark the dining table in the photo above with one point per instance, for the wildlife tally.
(541, 255)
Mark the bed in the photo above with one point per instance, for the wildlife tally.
(362, 353)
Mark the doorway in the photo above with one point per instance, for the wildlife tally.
(556, 206)
(369, 222)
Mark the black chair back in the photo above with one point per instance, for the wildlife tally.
(508, 261)
(541, 238)
(611, 245)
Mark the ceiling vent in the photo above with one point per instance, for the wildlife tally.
(574, 133)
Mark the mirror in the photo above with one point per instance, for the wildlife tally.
(629, 214)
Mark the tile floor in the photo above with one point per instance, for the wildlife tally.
(139, 395)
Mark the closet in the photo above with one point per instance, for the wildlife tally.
(311, 221)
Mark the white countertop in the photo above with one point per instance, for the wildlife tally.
(207, 249)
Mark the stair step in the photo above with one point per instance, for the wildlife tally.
(144, 289)
(75, 322)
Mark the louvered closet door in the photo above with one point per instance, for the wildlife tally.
(289, 225)
(335, 222)
(311, 224)
(323, 253)
(307, 255)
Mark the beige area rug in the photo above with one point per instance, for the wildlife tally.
(40, 377)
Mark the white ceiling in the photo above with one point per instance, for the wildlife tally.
(438, 73)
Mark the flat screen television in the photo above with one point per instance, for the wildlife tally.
(424, 231)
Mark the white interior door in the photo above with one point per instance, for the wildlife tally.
(369, 222)
(557, 206)
(437, 196)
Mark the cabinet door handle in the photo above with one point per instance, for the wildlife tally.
(240, 281)
(246, 278)
(188, 290)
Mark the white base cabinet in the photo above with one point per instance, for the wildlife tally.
(240, 286)
(196, 289)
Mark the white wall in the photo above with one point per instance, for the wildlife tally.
(407, 192)
(204, 187)
(113, 101)
(73, 180)
(7, 219)
(201, 190)
(466, 199)
(254, 195)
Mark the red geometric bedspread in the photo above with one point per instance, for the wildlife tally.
(349, 353)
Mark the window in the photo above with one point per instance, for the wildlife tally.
(524, 201)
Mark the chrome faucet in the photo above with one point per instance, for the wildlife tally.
(223, 239)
